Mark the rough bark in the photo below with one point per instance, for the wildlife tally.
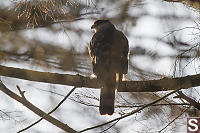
(163, 84)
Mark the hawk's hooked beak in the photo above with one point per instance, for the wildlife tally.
(93, 26)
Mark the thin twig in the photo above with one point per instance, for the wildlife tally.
(109, 127)
(174, 119)
(49, 112)
(164, 104)
(21, 92)
(136, 105)
(131, 113)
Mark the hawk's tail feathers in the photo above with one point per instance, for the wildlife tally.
(107, 98)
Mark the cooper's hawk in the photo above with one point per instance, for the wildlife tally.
(108, 50)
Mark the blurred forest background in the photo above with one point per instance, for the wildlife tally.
(53, 35)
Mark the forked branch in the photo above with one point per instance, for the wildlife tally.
(36, 110)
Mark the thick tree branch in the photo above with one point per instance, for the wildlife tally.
(36, 110)
(81, 81)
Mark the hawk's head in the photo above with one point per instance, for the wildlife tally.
(101, 25)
